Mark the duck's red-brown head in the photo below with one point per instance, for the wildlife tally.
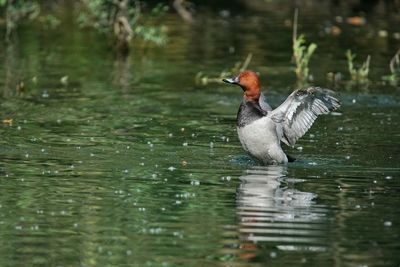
(248, 81)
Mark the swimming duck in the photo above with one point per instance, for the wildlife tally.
(261, 129)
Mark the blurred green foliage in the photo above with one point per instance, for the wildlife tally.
(102, 15)
(394, 65)
(16, 10)
(302, 55)
(360, 73)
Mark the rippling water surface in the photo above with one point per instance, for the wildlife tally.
(132, 164)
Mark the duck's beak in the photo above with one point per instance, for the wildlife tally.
(234, 80)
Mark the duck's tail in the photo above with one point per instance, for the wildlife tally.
(290, 158)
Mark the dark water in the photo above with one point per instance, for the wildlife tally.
(130, 163)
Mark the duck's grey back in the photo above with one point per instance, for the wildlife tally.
(263, 103)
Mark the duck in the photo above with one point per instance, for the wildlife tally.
(262, 130)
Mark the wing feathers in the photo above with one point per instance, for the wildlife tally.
(300, 109)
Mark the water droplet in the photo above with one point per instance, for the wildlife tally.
(195, 182)
(211, 145)
(45, 94)
(226, 178)
(387, 223)
(388, 177)
(185, 144)
(171, 168)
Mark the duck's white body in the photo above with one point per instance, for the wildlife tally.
(261, 139)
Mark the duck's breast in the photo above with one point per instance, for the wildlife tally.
(259, 136)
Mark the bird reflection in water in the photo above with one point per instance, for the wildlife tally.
(270, 211)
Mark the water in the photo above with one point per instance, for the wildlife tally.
(130, 163)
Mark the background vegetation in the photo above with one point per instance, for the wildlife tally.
(128, 23)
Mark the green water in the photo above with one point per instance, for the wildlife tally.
(132, 164)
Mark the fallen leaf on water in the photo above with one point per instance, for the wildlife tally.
(8, 122)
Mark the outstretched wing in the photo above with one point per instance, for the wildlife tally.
(300, 109)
